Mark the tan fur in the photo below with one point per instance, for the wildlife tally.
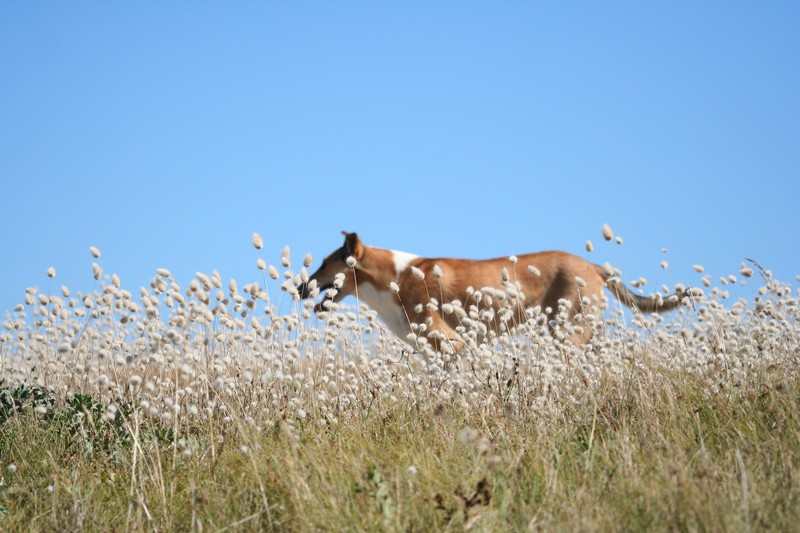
(556, 280)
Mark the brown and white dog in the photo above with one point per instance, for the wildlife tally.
(399, 286)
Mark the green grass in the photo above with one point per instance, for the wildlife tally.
(652, 450)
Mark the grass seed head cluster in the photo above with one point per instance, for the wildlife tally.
(184, 353)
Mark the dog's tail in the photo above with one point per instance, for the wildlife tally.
(652, 304)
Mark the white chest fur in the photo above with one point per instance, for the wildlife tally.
(384, 302)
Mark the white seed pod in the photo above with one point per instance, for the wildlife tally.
(535, 271)
(618, 240)
(580, 281)
(418, 308)
(589, 246)
(273, 272)
(261, 264)
(504, 275)
(205, 280)
(97, 272)
(51, 272)
(351, 261)
(338, 280)
(513, 259)
(607, 233)
(65, 291)
(163, 272)
(394, 287)
(419, 274)
(696, 292)
(437, 271)
(664, 265)
(307, 260)
(258, 242)
(698, 268)
(95, 252)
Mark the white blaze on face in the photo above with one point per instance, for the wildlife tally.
(401, 261)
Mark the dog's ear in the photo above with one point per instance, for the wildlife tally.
(352, 246)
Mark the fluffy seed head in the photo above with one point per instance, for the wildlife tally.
(535, 271)
(261, 264)
(97, 272)
(351, 261)
(419, 274)
(95, 252)
(618, 240)
(437, 271)
(258, 242)
(589, 246)
(394, 287)
(307, 260)
(698, 268)
(607, 233)
(513, 259)
(51, 272)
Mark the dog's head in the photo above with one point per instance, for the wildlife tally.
(333, 265)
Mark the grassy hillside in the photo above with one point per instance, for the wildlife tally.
(214, 407)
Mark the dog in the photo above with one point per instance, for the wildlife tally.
(406, 289)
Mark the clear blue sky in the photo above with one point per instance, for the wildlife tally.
(166, 133)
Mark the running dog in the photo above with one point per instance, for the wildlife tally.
(404, 288)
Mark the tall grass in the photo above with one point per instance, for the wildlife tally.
(215, 407)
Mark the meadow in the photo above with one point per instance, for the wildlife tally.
(217, 406)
